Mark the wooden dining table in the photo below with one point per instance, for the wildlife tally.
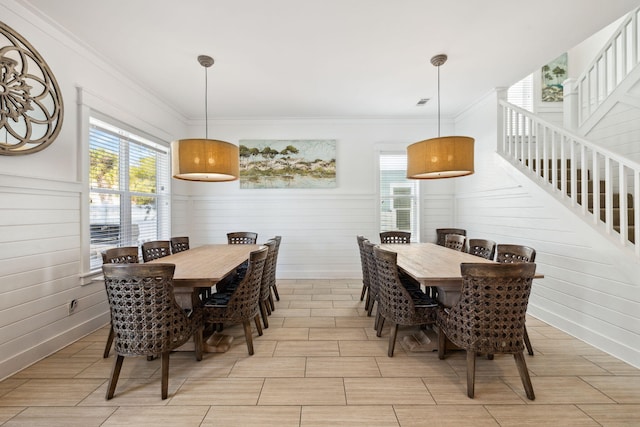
(203, 267)
(434, 266)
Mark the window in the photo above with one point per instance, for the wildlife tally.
(398, 195)
(521, 93)
(129, 189)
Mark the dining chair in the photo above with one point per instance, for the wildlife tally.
(374, 288)
(442, 233)
(179, 244)
(489, 316)
(365, 273)
(146, 319)
(395, 237)
(396, 303)
(155, 249)
(242, 238)
(482, 248)
(506, 253)
(273, 284)
(268, 275)
(122, 255)
(242, 304)
(456, 242)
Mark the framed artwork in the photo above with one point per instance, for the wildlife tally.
(287, 163)
(553, 74)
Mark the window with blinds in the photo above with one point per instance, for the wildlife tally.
(521, 93)
(398, 195)
(129, 189)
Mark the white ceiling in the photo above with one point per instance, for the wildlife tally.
(328, 58)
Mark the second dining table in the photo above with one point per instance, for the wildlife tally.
(436, 266)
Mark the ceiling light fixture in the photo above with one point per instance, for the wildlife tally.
(441, 157)
(205, 159)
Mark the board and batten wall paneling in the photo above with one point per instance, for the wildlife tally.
(318, 231)
(39, 265)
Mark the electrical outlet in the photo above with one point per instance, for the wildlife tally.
(73, 304)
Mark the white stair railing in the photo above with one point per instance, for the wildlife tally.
(584, 175)
(612, 64)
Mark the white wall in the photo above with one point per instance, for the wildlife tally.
(43, 196)
(318, 226)
(591, 287)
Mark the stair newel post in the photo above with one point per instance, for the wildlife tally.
(570, 104)
(573, 166)
(608, 195)
(501, 95)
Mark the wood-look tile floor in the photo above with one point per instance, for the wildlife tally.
(320, 364)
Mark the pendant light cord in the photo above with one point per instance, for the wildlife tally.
(438, 67)
(206, 104)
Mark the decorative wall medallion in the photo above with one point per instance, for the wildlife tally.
(31, 109)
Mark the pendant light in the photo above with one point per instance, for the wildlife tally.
(441, 157)
(206, 159)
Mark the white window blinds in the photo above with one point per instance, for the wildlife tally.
(398, 195)
(129, 189)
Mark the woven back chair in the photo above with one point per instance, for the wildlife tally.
(442, 233)
(489, 316)
(273, 285)
(457, 242)
(146, 319)
(396, 304)
(124, 255)
(482, 248)
(242, 304)
(179, 244)
(395, 237)
(517, 253)
(365, 273)
(242, 238)
(155, 249)
(268, 276)
(374, 286)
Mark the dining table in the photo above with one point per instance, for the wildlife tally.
(434, 266)
(200, 268)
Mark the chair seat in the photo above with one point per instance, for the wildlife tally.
(218, 299)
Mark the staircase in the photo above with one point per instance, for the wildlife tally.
(602, 203)
(568, 166)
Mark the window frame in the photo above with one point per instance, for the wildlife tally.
(405, 183)
(162, 187)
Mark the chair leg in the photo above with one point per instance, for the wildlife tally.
(364, 291)
(271, 306)
(367, 301)
(524, 375)
(527, 342)
(264, 314)
(442, 344)
(376, 321)
(258, 325)
(165, 374)
(115, 373)
(380, 326)
(392, 339)
(267, 305)
(247, 336)
(107, 347)
(371, 304)
(471, 372)
(275, 292)
(198, 342)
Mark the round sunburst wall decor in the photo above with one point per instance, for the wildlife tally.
(31, 109)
